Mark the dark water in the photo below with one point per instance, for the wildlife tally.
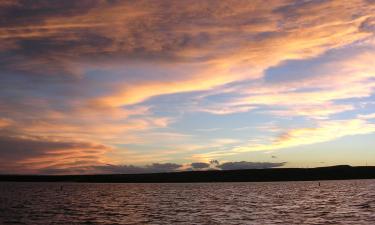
(334, 202)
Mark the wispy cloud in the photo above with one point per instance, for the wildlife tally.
(324, 131)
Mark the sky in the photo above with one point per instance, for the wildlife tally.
(110, 86)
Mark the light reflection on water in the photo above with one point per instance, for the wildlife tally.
(334, 202)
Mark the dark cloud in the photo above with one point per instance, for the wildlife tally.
(173, 167)
(152, 168)
(297, 6)
(199, 165)
(368, 25)
(15, 147)
(249, 165)
(18, 152)
(57, 171)
(27, 12)
(76, 168)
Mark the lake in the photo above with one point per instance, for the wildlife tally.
(333, 202)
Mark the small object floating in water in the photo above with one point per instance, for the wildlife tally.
(61, 188)
(319, 184)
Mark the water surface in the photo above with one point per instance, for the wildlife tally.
(334, 202)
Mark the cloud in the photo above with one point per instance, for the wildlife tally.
(311, 87)
(324, 131)
(199, 165)
(226, 109)
(126, 169)
(173, 167)
(197, 35)
(221, 37)
(317, 111)
(320, 132)
(249, 165)
(316, 34)
(87, 166)
(5, 122)
(367, 116)
(368, 25)
(20, 154)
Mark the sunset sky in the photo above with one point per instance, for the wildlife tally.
(102, 86)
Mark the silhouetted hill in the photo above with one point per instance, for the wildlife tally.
(341, 172)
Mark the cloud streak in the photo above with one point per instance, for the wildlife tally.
(30, 154)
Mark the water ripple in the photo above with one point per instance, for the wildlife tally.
(334, 202)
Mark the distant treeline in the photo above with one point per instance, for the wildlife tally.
(249, 175)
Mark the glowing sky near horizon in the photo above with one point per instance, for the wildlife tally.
(95, 83)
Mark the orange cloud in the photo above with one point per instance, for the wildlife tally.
(4, 122)
(232, 59)
(226, 37)
(32, 154)
(313, 96)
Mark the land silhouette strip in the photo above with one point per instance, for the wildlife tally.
(342, 172)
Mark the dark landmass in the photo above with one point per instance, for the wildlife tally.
(249, 175)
